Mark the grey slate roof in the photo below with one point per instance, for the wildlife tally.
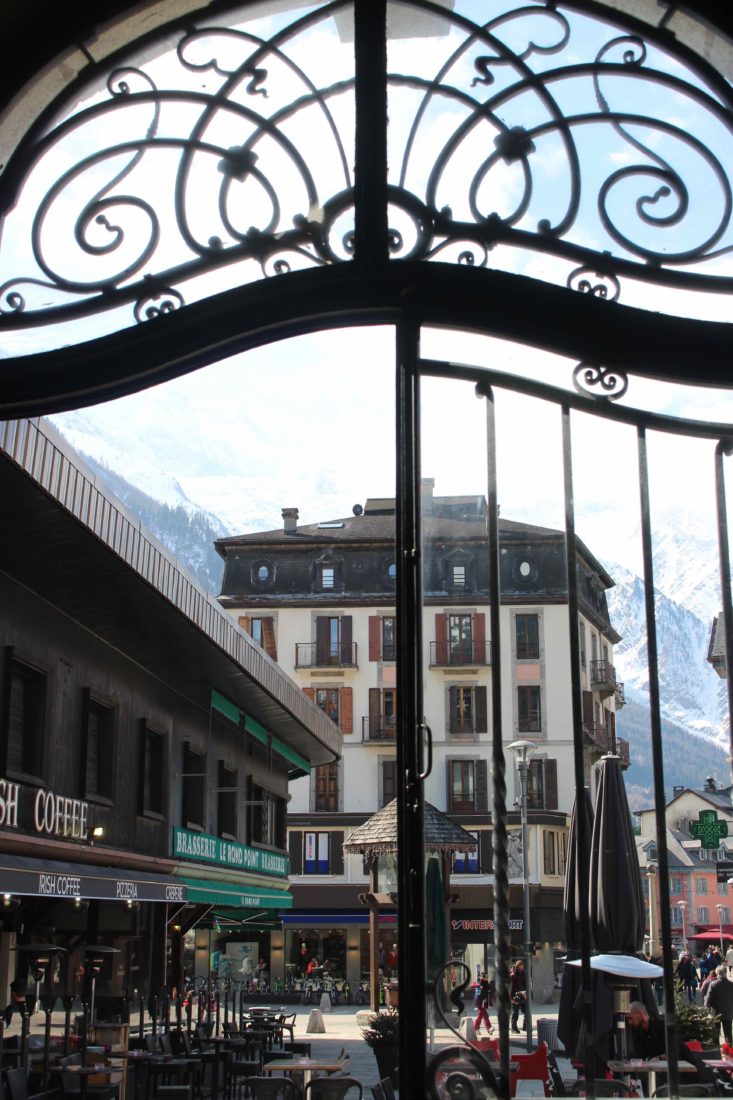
(379, 833)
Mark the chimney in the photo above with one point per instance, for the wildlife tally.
(290, 520)
(427, 485)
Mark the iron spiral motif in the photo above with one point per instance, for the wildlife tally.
(544, 141)
(459, 1072)
(600, 383)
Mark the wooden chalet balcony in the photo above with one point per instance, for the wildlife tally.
(378, 729)
(453, 655)
(316, 655)
(603, 677)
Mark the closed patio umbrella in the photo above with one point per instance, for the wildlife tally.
(436, 922)
(569, 1017)
(616, 900)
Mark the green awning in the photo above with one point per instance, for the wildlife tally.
(207, 892)
(253, 726)
(226, 707)
(302, 767)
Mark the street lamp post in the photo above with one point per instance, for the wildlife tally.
(522, 751)
(683, 908)
(719, 907)
(651, 871)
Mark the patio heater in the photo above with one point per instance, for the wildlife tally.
(94, 956)
(651, 874)
(39, 959)
(522, 751)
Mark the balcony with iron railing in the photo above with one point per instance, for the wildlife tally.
(619, 696)
(445, 654)
(598, 737)
(379, 729)
(622, 751)
(318, 655)
(603, 677)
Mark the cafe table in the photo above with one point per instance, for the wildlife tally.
(634, 1067)
(306, 1066)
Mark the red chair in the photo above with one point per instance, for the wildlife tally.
(486, 1044)
(532, 1067)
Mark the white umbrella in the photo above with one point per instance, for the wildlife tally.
(624, 966)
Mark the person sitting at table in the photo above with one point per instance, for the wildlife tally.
(17, 1000)
(645, 1032)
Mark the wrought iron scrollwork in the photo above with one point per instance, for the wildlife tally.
(229, 158)
(612, 383)
(458, 1072)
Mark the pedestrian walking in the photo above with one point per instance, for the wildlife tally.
(518, 994)
(485, 1000)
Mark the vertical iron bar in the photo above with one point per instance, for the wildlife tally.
(670, 1018)
(725, 447)
(502, 946)
(370, 170)
(583, 841)
(412, 964)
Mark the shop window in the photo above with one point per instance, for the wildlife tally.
(193, 787)
(701, 886)
(326, 784)
(226, 802)
(152, 771)
(265, 817)
(527, 637)
(98, 748)
(467, 786)
(25, 719)
(529, 710)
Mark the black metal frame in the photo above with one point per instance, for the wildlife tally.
(381, 285)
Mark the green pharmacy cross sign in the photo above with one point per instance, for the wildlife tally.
(708, 829)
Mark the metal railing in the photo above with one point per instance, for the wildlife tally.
(603, 677)
(378, 729)
(317, 655)
(457, 654)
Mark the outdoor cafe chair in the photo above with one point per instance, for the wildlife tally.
(332, 1088)
(273, 1088)
(72, 1086)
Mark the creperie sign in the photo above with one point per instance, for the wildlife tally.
(53, 814)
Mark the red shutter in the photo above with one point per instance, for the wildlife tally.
(441, 639)
(375, 631)
(346, 707)
(244, 622)
(375, 712)
(268, 637)
(310, 692)
(479, 638)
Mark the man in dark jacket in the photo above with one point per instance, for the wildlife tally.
(645, 1032)
(719, 997)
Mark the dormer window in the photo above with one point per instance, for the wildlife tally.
(458, 576)
(263, 573)
(327, 577)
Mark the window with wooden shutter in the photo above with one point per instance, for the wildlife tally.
(268, 637)
(389, 781)
(326, 780)
(550, 784)
(441, 639)
(389, 637)
(529, 709)
(375, 637)
(479, 639)
(528, 637)
(345, 640)
(482, 787)
(486, 852)
(548, 852)
(481, 720)
(347, 710)
(336, 845)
